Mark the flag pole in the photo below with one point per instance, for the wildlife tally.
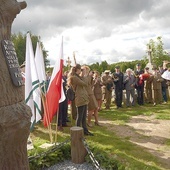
(43, 98)
(55, 93)
(56, 130)
(47, 118)
(48, 121)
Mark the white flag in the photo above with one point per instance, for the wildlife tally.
(32, 90)
(166, 75)
(39, 62)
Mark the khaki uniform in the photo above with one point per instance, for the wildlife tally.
(148, 89)
(79, 86)
(107, 94)
(97, 89)
(157, 88)
(92, 105)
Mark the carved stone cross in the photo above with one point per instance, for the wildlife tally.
(68, 61)
(150, 54)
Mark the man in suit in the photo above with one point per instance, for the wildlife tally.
(118, 81)
(139, 86)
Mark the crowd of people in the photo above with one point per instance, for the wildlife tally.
(93, 89)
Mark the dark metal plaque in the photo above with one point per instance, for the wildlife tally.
(12, 62)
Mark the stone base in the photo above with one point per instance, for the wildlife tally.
(15, 124)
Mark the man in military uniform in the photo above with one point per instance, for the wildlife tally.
(156, 87)
(148, 86)
(107, 88)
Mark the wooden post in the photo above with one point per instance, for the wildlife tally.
(78, 151)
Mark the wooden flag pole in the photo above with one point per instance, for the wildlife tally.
(46, 114)
(56, 130)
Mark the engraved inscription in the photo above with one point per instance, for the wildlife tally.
(12, 62)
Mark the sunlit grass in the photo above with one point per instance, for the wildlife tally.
(129, 155)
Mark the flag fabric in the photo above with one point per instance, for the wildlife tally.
(55, 93)
(32, 90)
(39, 62)
(40, 67)
(166, 75)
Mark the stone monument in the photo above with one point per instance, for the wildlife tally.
(14, 114)
(68, 61)
(150, 63)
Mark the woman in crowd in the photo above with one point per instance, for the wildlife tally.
(79, 85)
(97, 89)
(92, 105)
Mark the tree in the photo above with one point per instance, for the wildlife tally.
(158, 52)
(19, 41)
(105, 66)
(96, 67)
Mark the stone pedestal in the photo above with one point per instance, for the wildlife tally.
(15, 116)
(14, 132)
(150, 65)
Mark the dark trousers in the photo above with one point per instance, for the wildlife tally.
(118, 97)
(140, 91)
(81, 117)
(164, 95)
(63, 113)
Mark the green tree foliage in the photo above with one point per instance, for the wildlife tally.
(123, 65)
(19, 41)
(96, 67)
(157, 51)
(105, 66)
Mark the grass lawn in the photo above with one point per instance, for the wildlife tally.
(129, 155)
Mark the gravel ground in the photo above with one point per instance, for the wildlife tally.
(68, 165)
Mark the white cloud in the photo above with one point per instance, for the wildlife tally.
(96, 30)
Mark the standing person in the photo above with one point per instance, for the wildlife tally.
(79, 85)
(139, 86)
(72, 103)
(148, 86)
(118, 81)
(163, 84)
(164, 91)
(63, 108)
(107, 88)
(129, 82)
(92, 105)
(156, 87)
(97, 89)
